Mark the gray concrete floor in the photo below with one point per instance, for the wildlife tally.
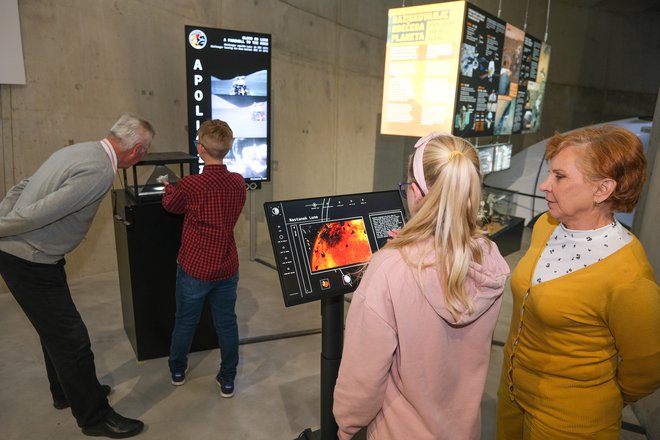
(277, 389)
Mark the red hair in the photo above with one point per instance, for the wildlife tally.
(607, 152)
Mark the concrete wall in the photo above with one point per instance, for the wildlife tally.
(645, 227)
(88, 61)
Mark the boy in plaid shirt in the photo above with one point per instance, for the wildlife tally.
(207, 264)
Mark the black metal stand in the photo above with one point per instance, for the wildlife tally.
(251, 187)
(332, 344)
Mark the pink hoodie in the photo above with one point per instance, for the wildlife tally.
(408, 371)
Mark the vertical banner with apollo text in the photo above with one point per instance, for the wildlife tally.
(228, 78)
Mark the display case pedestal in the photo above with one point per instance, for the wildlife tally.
(509, 237)
(148, 239)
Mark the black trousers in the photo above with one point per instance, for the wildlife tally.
(43, 293)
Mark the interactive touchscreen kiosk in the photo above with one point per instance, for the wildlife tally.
(321, 244)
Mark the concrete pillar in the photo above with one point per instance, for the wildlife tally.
(647, 410)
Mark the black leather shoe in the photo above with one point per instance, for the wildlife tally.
(114, 425)
(63, 403)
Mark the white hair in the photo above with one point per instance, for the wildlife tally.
(131, 130)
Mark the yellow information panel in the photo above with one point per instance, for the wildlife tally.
(456, 68)
(421, 65)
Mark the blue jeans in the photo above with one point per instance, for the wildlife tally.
(190, 295)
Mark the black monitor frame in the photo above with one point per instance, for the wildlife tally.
(299, 228)
(228, 77)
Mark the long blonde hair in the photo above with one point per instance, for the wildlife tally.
(448, 213)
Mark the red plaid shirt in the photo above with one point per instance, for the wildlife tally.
(212, 202)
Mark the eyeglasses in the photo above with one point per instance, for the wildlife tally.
(403, 189)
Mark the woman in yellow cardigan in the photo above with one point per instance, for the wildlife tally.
(585, 332)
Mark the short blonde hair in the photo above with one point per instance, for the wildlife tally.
(216, 136)
(607, 152)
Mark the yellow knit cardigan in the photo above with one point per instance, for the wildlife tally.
(582, 345)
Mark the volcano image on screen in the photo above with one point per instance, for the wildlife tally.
(336, 244)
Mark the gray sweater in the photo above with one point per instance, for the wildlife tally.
(47, 215)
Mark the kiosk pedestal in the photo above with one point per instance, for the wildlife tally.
(148, 239)
(332, 344)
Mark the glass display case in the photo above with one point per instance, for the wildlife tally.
(148, 174)
(495, 212)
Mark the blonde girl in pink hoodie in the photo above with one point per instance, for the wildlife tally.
(419, 328)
